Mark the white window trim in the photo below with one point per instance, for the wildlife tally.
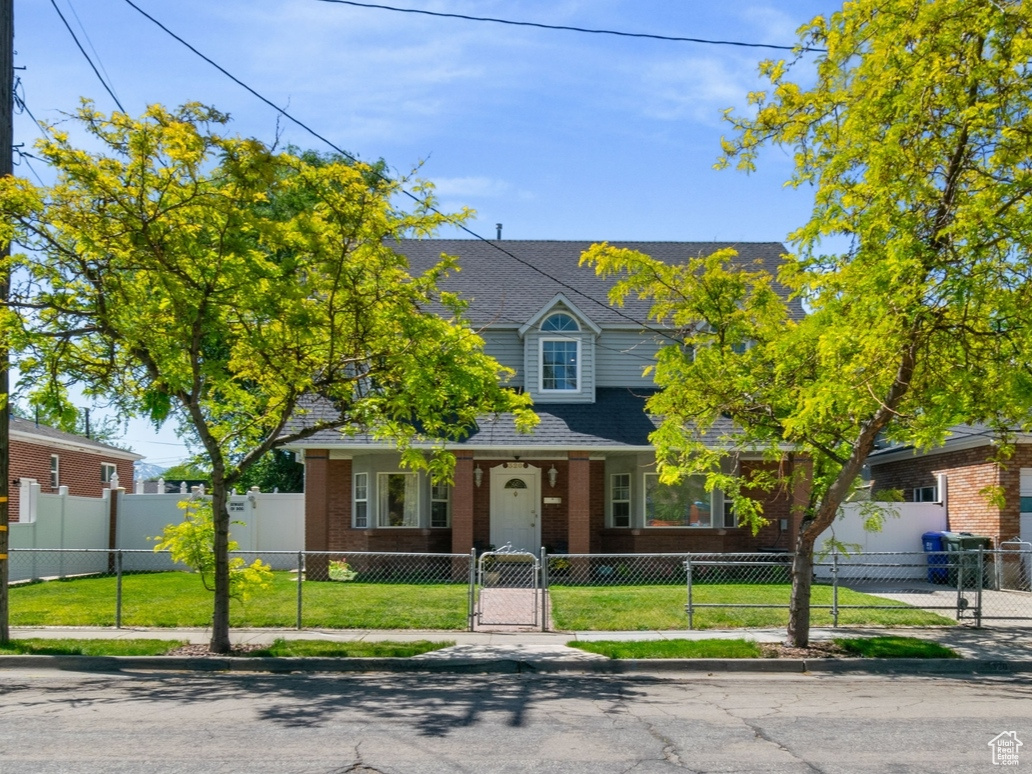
(355, 500)
(613, 501)
(447, 508)
(104, 466)
(55, 471)
(541, 365)
(645, 509)
(560, 313)
(920, 490)
(381, 492)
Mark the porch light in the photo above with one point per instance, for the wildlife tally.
(478, 476)
(553, 476)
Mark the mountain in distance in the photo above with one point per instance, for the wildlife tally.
(147, 471)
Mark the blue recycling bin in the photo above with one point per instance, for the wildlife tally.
(937, 561)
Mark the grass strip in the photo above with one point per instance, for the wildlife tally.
(894, 647)
(325, 649)
(68, 647)
(676, 648)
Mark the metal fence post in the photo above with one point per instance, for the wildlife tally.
(978, 585)
(834, 589)
(472, 589)
(300, 576)
(688, 574)
(118, 589)
(544, 589)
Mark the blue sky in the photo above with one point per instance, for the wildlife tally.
(555, 134)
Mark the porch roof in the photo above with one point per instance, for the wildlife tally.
(616, 420)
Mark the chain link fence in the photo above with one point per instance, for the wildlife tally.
(139, 588)
(359, 590)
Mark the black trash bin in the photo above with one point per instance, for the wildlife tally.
(966, 546)
(932, 542)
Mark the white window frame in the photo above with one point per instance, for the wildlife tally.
(436, 490)
(360, 497)
(107, 470)
(410, 513)
(926, 494)
(541, 365)
(624, 501)
(646, 491)
(55, 471)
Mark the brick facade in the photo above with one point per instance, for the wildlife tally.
(970, 473)
(580, 488)
(78, 469)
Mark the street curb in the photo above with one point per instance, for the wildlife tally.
(515, 666)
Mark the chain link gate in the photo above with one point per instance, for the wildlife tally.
(509, 589)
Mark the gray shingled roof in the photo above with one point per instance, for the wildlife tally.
(616, 419)
(43, 432)
(506, 290)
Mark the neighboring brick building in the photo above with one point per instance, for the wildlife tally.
(55, 459)
(962, 473)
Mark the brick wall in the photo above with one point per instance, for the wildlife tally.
(968, 473)
(78, 470)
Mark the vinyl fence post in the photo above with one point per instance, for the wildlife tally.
(688, 607)
(834, 588)
(471, 589)
(300, 575)
(118, 589)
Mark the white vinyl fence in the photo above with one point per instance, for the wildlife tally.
(269, 522)
(902, 529)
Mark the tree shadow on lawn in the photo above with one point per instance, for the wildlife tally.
(432, 705)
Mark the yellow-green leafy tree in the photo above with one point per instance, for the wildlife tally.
(914, 131)
(187, 274)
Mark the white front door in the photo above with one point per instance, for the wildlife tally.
(515, 509)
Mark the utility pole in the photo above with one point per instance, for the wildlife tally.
(6, 169)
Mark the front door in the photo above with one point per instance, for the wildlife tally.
(515, 507)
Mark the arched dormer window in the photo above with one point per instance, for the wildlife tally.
(560, 322)
(560, 356)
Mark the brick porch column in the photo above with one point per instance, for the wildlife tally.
(462, 504)
(317, 500)
(578, 492)
(802, 468)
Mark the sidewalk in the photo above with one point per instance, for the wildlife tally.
(997, 650)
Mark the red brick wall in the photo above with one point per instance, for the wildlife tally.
(968, 473)
(78, 470)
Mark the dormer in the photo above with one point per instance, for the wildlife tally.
(559, 354)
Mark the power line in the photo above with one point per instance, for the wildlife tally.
(87, 56)
(566, 28)
(461, 226)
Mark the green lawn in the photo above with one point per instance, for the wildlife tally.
(639, 608)
(178, 599)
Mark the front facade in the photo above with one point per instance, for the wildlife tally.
(56, 459)
(584, 481)
(962, 474)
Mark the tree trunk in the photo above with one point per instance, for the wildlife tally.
(220, 519)
(802, 582)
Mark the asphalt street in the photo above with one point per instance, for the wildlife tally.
(139, 721)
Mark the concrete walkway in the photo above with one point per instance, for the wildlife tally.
(984, 650)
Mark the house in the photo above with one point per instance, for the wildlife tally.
(584, 481)
(58, 459)
(960, 473)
